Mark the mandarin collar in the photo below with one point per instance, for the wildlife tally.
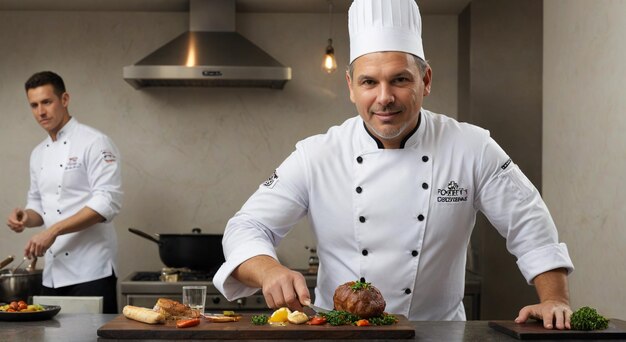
(66, 130)
(410, 140)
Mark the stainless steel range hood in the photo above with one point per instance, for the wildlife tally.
(211, 54)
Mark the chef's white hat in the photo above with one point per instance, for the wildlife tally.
(384, 25)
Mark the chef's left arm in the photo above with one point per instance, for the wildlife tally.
(83, 219)
(515, 208)
(554, 301)
(104, 179)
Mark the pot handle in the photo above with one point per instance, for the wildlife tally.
(6, 261)
(144, 235)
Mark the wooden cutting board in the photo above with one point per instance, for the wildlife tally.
(123, 328)
(536, 331)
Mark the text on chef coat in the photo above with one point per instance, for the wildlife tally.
(452, 193)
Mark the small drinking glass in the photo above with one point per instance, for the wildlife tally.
(194, 297)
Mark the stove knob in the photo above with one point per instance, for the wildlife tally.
(216, 300)
(241, 302)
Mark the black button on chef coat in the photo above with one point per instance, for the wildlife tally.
(420, 217)
(407, 291)
(359, 189)
(414, 253)
(362, 219)
(364, 252)
(425, 159)
(359, 159)
(424, 186)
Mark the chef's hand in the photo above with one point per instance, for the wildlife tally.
(284, 287)
(39, 244)
(550, 311)
(17, 220)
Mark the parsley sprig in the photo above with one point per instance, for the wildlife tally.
(259, 319)
(587, 318)
(360, 285)
(336, 317)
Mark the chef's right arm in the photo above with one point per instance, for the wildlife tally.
(30, 217)
(23, 218)
(251, 237)
(280, 285)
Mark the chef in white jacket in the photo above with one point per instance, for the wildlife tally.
(392, 194)
(75, 192)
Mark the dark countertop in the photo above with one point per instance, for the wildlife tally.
(83, 328)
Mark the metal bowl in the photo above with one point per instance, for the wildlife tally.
(20, 285)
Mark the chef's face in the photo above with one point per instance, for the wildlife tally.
(388, 90)
(49, 109)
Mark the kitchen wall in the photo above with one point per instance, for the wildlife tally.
(584, 146)
(500, 90)
(190, 156)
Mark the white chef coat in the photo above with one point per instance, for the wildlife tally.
(80, 169)
(400, 218)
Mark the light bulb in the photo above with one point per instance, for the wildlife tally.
(191, 51)
(329, 64)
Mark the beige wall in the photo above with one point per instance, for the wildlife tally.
(584, 159)
(191, 157)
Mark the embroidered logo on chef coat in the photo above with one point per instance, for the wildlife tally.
(270, 182)
(72, 163)
(108, 156)
(452, 193)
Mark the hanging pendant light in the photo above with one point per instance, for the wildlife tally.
(330, 63)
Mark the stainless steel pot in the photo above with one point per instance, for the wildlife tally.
(20, 285)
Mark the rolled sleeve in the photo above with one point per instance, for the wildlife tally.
(105, 180)
(33, 198)
(35, 206)
(543, 259)
(515, 208)
(260, 225)
(104, 205)
(230, 287)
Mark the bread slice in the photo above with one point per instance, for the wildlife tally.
(144, 315)
(222, 319)
(173, 310)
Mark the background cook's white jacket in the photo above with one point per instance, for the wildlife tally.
(80, 169)
(407, 229)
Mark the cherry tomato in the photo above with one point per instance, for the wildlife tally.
(22, 306)
(362, 323)
(14, 306)
(186, 323)
(317, 320)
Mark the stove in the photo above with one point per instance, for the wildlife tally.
(145, 288)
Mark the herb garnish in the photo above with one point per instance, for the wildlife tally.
(336, 317)
(260, 319)
(360, 285)
(587, 318)
(384, 319)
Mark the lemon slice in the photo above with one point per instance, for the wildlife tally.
(280, 315)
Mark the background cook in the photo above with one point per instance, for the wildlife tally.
(75, 192)
(392, 194)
